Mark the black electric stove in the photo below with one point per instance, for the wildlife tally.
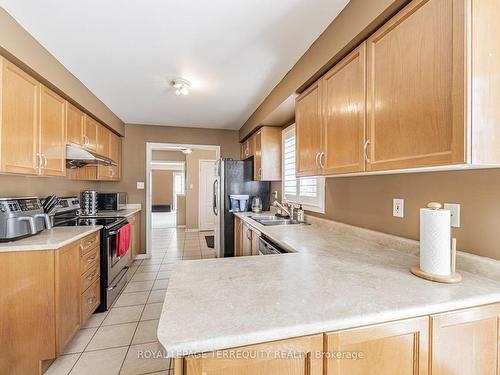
(113, 268)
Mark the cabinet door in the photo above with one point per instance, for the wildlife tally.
(67, 289)
(90, 133)
(257, 158)
(238, 237)
(344, 104)
(255, 242)
(416, 78)
(392, 348)
(114, 147)
(466, 342)
(246, 243)
(103, 172)
(268, 144)
(75, 121)
(103, 140)
(19, 130)
(52, 133)
(308, 131)
(264, 359)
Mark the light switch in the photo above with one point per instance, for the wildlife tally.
(140, 185)
(454, 209)
(398, 207)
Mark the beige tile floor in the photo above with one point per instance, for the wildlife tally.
(120, 340)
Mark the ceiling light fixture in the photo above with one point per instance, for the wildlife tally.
(181, 86)
(187, 151)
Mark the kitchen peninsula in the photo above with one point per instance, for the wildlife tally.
(343, 289)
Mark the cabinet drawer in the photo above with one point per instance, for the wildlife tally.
(90, 276)
(88, 243)
(90, 301)
(89, 260)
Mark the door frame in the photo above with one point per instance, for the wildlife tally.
(174, 198)
(199, 189)
(150, 146)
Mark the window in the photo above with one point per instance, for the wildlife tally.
(308, 191)
(179, 186)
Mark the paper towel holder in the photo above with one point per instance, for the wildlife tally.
(454, 276)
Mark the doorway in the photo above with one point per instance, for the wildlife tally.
(187, 183)
(206, 214)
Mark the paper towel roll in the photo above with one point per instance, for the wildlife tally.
(435, 241)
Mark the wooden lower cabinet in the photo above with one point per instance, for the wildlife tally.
(264, 359)
(399, 347)
(135, 232)
(466, 342)
(238, 237)
(249, 243)
(67, 294)
(44, 303)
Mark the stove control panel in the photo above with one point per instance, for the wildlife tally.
(20, 205)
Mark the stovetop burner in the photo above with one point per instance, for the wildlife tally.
(89, 221)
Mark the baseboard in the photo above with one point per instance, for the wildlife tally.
(192, 230)
(180, 226)
(141, 256)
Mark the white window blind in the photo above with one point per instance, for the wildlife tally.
(308, 191)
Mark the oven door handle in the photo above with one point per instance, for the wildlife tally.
(119, 279)
(113, 233)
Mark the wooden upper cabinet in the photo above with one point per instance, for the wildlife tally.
(75, 122)
(19, 126)
(264, 359)
(90, 133)
(308, 131)
(466, 342)
(344, 110)
(67, 294)
(103, 140)
(52, 133)
(399, 347)
(416, 85)
(247, 148)
(267, 154)
(114, 147)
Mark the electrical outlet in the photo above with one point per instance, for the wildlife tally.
(398, 207)
(454, 209)
(140, 185)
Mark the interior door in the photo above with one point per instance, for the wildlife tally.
(207, 176)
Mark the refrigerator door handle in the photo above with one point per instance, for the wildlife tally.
(214, 203)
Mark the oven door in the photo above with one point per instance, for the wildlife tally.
(116, 264)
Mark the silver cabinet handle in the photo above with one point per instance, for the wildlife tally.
(317, 162)
(45, 161)
(38, 160)
(321, 164)
(365, 151)
(259, 173)
(249, 234)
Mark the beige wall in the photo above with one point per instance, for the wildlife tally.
(19, 186)
(193, 184)
(180, 214)
(162, 187)
(134, 154)
(359, 19)
(367, 202)
(164, 155)
(21, 48)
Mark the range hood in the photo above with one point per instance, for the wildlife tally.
(77, 157)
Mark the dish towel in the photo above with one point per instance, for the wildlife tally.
(123, 240)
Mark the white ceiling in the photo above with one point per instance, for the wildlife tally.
(233, 51)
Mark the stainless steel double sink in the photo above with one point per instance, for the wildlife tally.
(273, 220)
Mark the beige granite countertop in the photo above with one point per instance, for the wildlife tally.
(51, 239)
(339, 277)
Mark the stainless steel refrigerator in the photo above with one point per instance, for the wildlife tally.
(234, 177)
